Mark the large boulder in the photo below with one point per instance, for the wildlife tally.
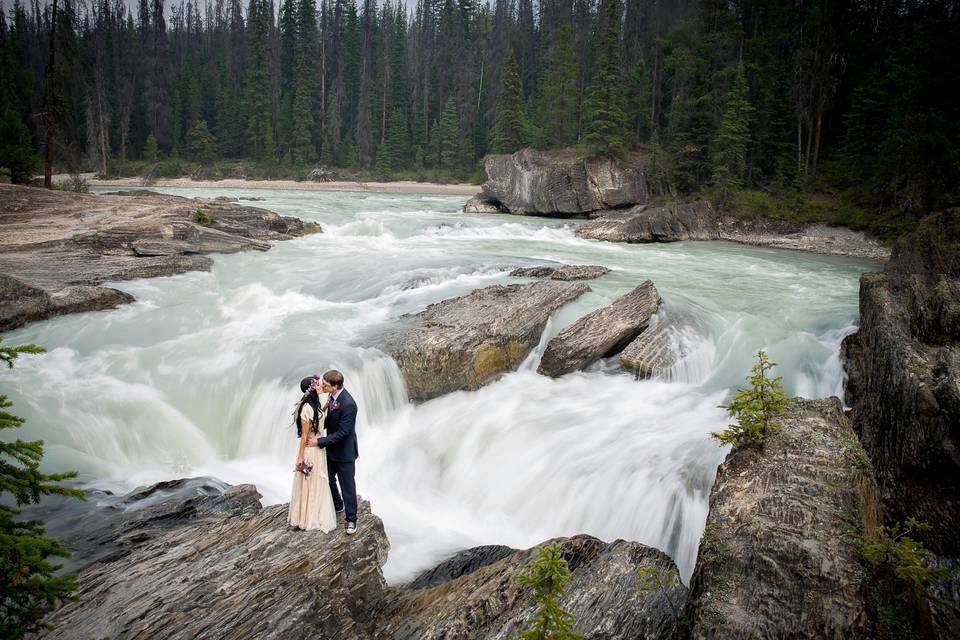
(229, 572)
(601, 333)
(489, 604)
(563, 272)
(57, 247)
(654, 223)
(565, 182)
(904, 379)
(466, 342)
(780, 554)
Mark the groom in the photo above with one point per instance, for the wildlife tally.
(341, 445)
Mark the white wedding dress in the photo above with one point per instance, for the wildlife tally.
(311, 504)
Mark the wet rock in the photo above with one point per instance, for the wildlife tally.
(461, 564)
(58, 246)
(236, 574)
(466, 342)
(652, 351)
(481, 204)
(489, 603)
(564, 183)
(564, 272)
(648, 223)
(904, 379)
(601, 333)
(781, 552)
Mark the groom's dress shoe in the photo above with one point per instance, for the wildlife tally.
(351, 528)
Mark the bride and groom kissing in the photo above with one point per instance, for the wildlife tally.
(326, 457)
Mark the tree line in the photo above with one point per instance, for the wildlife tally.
(726, 94)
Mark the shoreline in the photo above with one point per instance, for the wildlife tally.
(403, 186)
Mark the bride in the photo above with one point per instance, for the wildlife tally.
(311, 504)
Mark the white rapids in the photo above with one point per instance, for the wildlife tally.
(199, 376)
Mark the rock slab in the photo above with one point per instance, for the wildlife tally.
(601, 333)
(489, 603)
(565, 272)
(466, 342)
(781, 552)
(56, 248)
(565, 183)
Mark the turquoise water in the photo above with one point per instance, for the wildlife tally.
(199, 375)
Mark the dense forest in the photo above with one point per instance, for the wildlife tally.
(860, 98)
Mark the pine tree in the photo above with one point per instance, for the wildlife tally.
(16, 152)
(733, 138)
(548, 574)
(150, 151)
(557, 114)
(756, 409)
(259, 21)
(201, 145)
(509, 125)
(305, 86)
(450, 137)
(29, 589)
(605, 128)
(394, 152)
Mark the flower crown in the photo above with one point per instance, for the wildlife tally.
(314, 385)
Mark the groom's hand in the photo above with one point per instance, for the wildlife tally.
(312, 441)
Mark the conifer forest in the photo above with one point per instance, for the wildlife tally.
(857, 98)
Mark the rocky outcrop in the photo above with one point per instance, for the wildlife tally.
(904, 379)
(461, 564)
(781, 552)
(489, 604)
(481, 204)
(57, 247)
(465, 342)
(652, 351)
(673, 222)
(601, 333)
(565, 272)
(565, 183)
(226, 568)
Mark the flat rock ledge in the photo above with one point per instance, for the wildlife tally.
(563, 183)
(698, 221)
(489, 604)
(463, 343)
(56, 247)
(602, 333)
(565, 272)
(233, 575)
(781, 552)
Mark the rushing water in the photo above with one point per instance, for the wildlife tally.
(200, 375)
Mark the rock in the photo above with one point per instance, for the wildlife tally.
(652, 351)
(698, 221)
(564, 272)
(781, 552)
(464, 343)
(107, 527)
(242, 574)
(904, 380)
(646, 223)
(489, 603)
(564, 182)
(461, 564)
(56, 247)
(480, 204)
(21, 303)
(601, 333)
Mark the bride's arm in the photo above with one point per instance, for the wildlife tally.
(304, 434)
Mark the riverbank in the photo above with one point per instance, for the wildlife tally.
(403, 186)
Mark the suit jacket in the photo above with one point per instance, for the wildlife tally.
(341, 425)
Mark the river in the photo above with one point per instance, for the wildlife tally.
(199, 376)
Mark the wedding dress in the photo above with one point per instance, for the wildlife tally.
(311, 504)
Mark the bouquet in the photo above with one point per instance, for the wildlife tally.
(306, 468)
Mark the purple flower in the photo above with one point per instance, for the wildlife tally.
(306, 468)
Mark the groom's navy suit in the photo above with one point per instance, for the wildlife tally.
(341, 445)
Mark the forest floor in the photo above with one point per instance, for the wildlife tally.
(427, 188)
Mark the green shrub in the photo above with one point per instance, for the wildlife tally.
(204, 218)
(547, 575)
(29, 589)
(16, 150)
(755, 409)
(74, 184)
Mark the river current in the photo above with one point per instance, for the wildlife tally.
(200, 375)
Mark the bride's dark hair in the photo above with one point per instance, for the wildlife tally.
(311, 398)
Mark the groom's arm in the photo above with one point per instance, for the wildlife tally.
(348, 423)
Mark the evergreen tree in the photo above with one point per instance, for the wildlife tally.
(395, 150)
(733, 138)
(201, 145)
(305, 86)
(756, 409)
(605, 128)
(150, 151)
(547, 575)
(557, 114)
(508, 128)
(259, 21)
(16, 150)
(29, 589)
(450, 137)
